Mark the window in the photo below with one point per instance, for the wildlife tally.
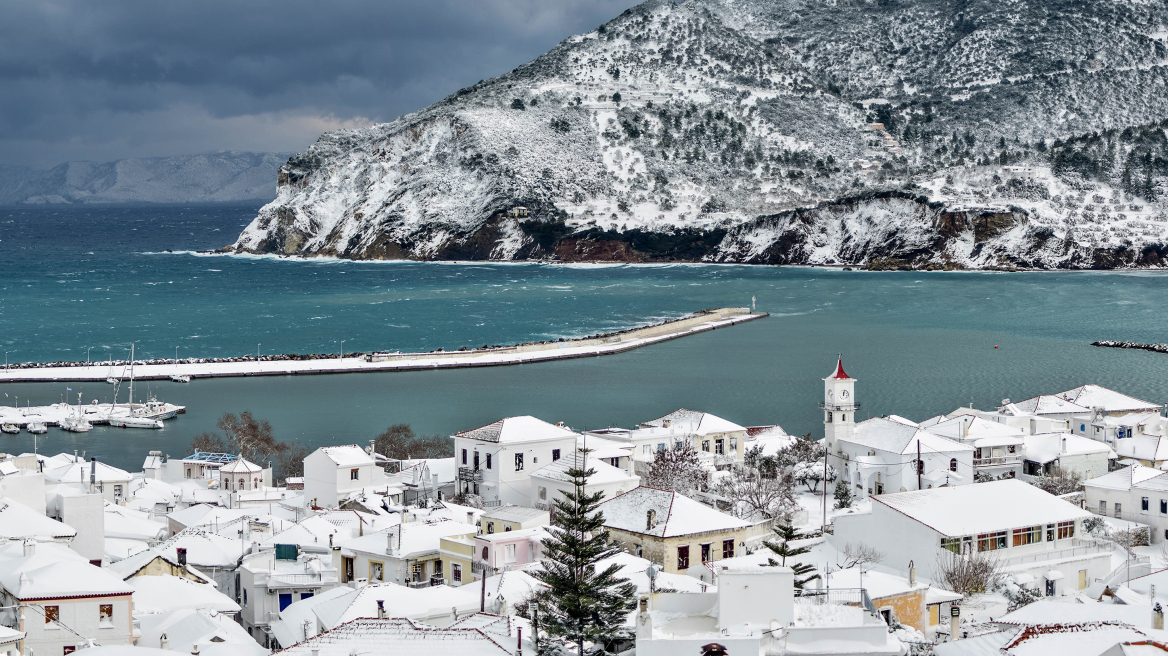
(305, 595)
(543, 494)
(555, 455)
(105, 614)
(1118, 510)
(245, 596)
(456, 572)
(660, 446)
(376, 571)
(417, 571)
(727, 548)
(991, 541)
(644, 448)
(705, 553)
(719, 446)
(951, 544)
(678, 446)
(1066, 530)
(953, 464)
(1164, 506)
(490, 527)
(706, 446)
(476, 459)
(1082, 428)
(354, 475)
(1102, 507)
(285, 600)
(68, 649)
(464, 456)
(488, 461)
(509, 554)
(486, 554)
(52, 614)
(1144, 504)
(683, 557)
(518, 462)
(1028, 535)
(734, 444)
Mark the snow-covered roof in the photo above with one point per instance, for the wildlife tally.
(1047, 447)
(515, 513)
(1137, 476)
(604, 472)
(130, 566)
(633, 568)
(758, 432)
(54, 571)
(215, 633)
(693, 422)
(166, 594)
(1046, 404)
(517, 429)
(204, 549)
(19, 521)
(399, 637)
(348, 455)
(892, 436)
(675, 514)
(979, 432)
(289, 628)
(78, 472)
(1095, 396)
(878, 584)
(972, 509)
(410, 539)
(1153, 448)
(1049, 611)
(399, 601)
(240, 466)
(599, 447)
(123, 522)
(313, 530)
(8, 636)
(204, 514)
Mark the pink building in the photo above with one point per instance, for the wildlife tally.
(501, 552)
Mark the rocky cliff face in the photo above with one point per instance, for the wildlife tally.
(212, 178)
(924, 133)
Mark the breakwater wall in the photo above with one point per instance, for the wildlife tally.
(292, 364)
(1110, 343)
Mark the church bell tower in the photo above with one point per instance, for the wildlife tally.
(839, 406)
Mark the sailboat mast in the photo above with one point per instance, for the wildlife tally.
(131, 378)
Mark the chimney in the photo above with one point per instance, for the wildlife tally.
(912, 575)
(29, 547)
(470, 517)
(650, 519)
(92, 475)
(195, 650)
(182, 556)
(519, 651)
(453, 614)
(1157, 617)
(315, 652)
(954, 621)
(1064, 446)
(163, 642)
(380, 609)
(667, 423)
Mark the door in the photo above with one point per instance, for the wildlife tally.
(348, 567)
(285, 600)
(1082, 579)
(1050, 588)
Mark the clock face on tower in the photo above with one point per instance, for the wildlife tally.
(829, 394)
(843, 394)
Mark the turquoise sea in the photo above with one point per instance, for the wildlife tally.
(86, 282)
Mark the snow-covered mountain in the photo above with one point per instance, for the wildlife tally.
(885, 133)
(211, 178)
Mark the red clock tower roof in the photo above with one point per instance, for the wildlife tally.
(839, 370)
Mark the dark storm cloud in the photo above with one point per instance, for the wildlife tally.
(103, 80)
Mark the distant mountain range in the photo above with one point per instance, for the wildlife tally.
(210, 178)
(879, 133)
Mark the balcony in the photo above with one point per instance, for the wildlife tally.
(1078, 548)
(298, 580)
(839, 407)
(999, 461)
(470, 475)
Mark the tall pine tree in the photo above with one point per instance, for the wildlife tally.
(581, 602)
(785, 550)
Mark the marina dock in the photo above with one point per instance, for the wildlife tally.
(606, 344)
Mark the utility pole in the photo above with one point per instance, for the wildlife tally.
(823, 529)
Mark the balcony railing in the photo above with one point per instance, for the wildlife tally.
(999, 460)
(470, 474)
(295, 580)
(839, 597)
(839, 407)
(1078, 548)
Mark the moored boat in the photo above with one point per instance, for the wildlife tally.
(36, 427)
(180, 378)
(9, 428)
(75, 424)
(135, 422)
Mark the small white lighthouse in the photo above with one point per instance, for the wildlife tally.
(839, 406)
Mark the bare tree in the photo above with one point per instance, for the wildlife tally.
(969, 574)
(860, 554)
(208, 443)
(1059, 482)
(753, 494)
(243, 435)
(678, 470)
(290, 461)
(400, 443)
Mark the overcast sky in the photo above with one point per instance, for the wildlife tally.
(107, 79)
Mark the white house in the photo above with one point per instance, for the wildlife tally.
(893, 454)
(406, 554)
(1136, 493)
(61, 600)
(1112, 403)
(273, 578)
(552, 482)
(243, 476)
(331, 472)
(997, 447)
(111, 482)
(1031, 531)
(494, 461)
(1045, 452)
(719, 442)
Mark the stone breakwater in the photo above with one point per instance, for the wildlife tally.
(289, 364)
(1110, 343)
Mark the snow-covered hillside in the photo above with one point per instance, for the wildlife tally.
(211, 178)
(924, 133)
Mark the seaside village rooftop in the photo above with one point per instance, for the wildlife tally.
(1036, 527)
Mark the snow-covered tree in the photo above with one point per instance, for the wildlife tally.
(677, 470)
(582, 603)
(812, 474)
(754, 494)
(843, 494)
(1059, 482)
(783, 549)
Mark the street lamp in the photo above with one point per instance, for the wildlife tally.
(342, 349)
(257, 350)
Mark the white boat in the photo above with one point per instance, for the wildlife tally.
(180, 378)
(36, 427)
(155, 409)
(9, 428)
(112, 381)
(135, 422)
(75, 424)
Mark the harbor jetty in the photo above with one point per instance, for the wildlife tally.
(298, 364)
(1109, 343)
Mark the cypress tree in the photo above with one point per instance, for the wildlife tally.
(581, 602)
(785, 550)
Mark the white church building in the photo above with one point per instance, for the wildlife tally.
(886, 454)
